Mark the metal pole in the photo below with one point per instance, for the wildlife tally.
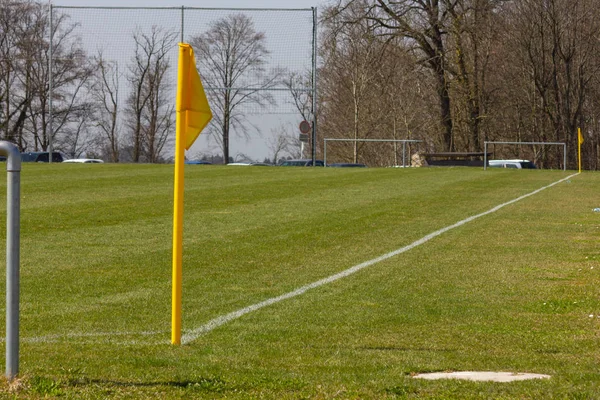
(50, 88)
(314, 84)
(403, 154)
(485, 156)
(182, 22)
(13, 211)
(325, 153)
(564, 157)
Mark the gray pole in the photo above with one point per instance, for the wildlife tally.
(182, 22)
(50, 88)
(485, 160)
(314, 88)
(13, 211)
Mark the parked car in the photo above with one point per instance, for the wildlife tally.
(347, 165)
(84, 161)
(198, 162)
(41, 156)
(515, 164)
(302, 163)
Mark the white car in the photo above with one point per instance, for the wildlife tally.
(84, 161)
(515, 164)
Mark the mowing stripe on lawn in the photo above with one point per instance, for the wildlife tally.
(194, 334)
(217, 322)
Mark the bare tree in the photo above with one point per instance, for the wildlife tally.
(150, 117)
(16, 52)
(471, 38)
(563, 60)
(71, 71)
(232, 60)
(302, 98)
(284, 143)
(24, 49)
(425, 24)
(405, 89)
(158, 115)
(350, 83)
(105, 94)
(449, 39)
(76, 140)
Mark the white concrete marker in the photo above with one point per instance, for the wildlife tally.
(482, 376)
(216, 322)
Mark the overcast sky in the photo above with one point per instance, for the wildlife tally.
(197, 3)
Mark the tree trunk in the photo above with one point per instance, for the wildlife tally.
(445, 109)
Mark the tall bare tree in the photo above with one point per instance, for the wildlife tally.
(16, 92)
(302, 99)
(561, 43)
(105, 94)
(71, 72)
(352, 53)
(232, 58)
(425, 24)
(150, 114)
(471, 39)
(24, 49)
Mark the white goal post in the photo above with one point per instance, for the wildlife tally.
(403, 141)
(564, 145)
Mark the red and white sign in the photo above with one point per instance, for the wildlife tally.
(305, 126)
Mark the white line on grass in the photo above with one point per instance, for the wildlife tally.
(83, 335)
(216, 322)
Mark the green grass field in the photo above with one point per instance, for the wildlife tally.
(516, 290)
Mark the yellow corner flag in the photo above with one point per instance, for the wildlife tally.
(192, 115)
(579, 136)
(191, 99)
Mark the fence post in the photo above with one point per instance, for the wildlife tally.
(485, 160)
(314, 87)
(50, 86)
(13, 227)
(182, 24)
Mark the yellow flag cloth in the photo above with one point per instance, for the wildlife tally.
(579, 136)
(191, 99)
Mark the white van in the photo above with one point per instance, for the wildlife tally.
(515, 164)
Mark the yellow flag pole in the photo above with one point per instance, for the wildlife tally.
(192, 115)
(178, 199)
(177, 233)
(579, 147)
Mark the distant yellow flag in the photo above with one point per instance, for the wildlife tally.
(191, 99)
(579, 136)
